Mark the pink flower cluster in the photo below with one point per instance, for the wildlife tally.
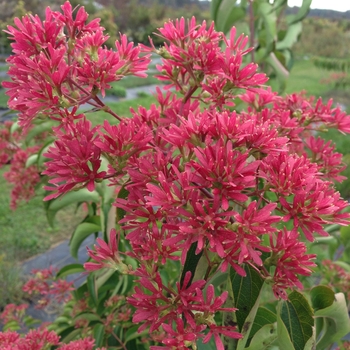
(47, 288)
(202, 179)
(61, 63)
(41, 339)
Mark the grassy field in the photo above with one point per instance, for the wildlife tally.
(25, 231)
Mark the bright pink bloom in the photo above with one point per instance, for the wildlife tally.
(106, 255)
(217, 331)
(24, 179)
(288, 255)
(75, 159)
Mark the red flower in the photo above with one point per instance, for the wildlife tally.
(75, 159)
(288, 255)
(106, 255)
(217, 331)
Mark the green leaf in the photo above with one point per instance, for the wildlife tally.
(296, 315)
(99, 332)
(227, 14)
(269, 19)
(69, 333)
(82, 195)
(123, 194)
(14, 127)
(63, 319)
(263, 317)
(84, 230)
(69, 270)
(31, 160)
(302, 13)
(291, 37)
(214, 8)
(11, 326)
(246, 291)
(283, 337)
(92, 288)
(38, 129)
(41, 159)
(87, 316)
(191, 263)
(264, 337)
(321, 297)
(132, 333)
(345, 233)
(335, 316)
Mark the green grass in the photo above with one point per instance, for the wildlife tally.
(132, 82)
(305, 76)
(25, 231)
(3, 99)
(121, 108)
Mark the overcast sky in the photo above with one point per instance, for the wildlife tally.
(337, 5)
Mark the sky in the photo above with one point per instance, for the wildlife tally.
(337, 5)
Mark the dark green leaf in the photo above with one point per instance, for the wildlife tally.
(69, 333)
(264, 338)
(93, 290)
(87, 316)
(214, 8)
(69, 270)
(227, 14)
(246, 291)
(123, 194)
(297, 317)
(191, 262)
(263, 317)
(82, 231)
(99, 333)
(321, 297)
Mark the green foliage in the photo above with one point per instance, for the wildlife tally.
(295, 323)
(274, 35)
(332, 310)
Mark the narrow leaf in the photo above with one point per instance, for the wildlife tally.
(83, 231)
(246, 291)
(302, 13)
(99, 332)
(92, 288)
(69, 270)
(291, 37)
